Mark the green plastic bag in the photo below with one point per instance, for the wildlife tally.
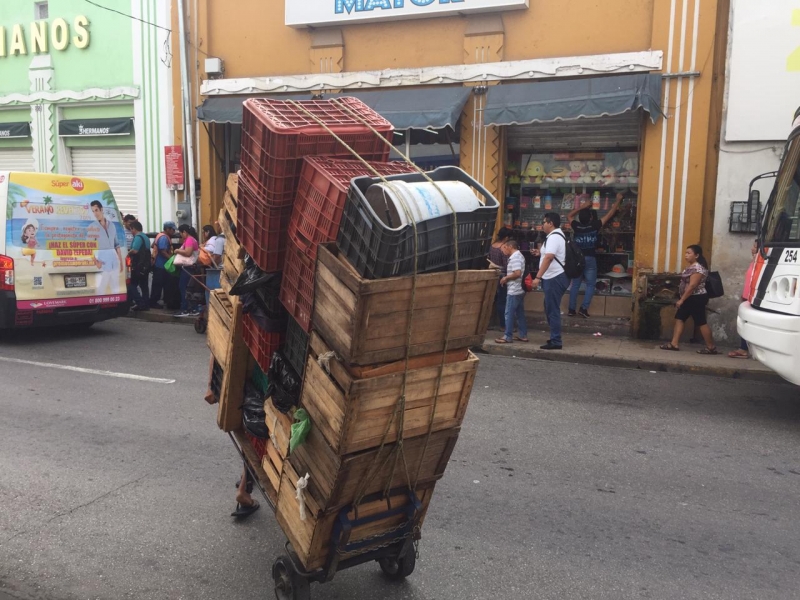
(300, 429)
(170, 267)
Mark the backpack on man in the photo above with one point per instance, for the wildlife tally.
(574, 262)
(154, 248)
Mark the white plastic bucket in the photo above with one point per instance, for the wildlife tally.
(424, 201)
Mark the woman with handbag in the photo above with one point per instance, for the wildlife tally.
(186, 258)
(692, 302)
(213, 247)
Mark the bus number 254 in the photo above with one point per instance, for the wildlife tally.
(790, 256)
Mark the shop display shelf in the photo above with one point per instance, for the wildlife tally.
(262, 344)
(296, 347)
(321, 196)
(262, 228)
(377, 251)
(297, 285)
(276, 135)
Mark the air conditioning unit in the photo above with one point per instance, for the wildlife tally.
(215, 67)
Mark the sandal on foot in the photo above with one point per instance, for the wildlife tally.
(739, 354)
(708, 351)
(669, 346)
(519, 339)
(242, 511)
(501, 341)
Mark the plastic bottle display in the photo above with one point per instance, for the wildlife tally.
(548, 202)
(596, 200)
(537, 202)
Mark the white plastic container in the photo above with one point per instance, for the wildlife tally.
(423, 201)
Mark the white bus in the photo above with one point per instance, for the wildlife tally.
(770, 320)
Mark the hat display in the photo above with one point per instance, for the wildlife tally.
(618, 271)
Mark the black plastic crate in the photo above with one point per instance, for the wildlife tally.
(295, 349)
(376, 251)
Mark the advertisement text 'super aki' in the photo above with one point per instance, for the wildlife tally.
(62, 258)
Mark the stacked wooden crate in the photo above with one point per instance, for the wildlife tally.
(354, 379)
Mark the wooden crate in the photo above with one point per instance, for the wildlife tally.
(224, 339)
(335, 480)
(255, 465)
(353, 410)
(280, 429)
(311, 538)
(366, 322)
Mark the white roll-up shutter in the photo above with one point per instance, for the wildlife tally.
(16, 159)
(602, 133)
(114, 165)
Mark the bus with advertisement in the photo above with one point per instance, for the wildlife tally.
(770, 319)
(63, 255)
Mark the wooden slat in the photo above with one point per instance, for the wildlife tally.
(280, 427)
(232, 187)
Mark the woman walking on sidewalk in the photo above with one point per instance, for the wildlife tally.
(693, 301)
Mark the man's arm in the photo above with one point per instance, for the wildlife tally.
(166, 252)
(511, 277)
(610, 214)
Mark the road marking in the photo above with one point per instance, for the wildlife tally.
(87, 371)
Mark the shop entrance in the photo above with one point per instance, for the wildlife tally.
(560, 167)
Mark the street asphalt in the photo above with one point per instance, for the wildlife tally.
(567, 482)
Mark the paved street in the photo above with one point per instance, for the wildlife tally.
(568, 482)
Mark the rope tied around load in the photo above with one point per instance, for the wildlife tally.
(302, 484)
(398, 415)
(324, 360)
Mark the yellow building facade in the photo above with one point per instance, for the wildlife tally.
(681, 41)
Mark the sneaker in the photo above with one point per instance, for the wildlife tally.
(181, 313)
(584, 313)
(550, 346)
(572, 313)
(193, 313)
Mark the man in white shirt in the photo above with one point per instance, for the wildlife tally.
(552, 277)
(515, 295)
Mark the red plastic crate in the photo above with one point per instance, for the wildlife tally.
(259, 445)
(276, 135)
(262, 344)
(262, 229)
(297, 285)
(321, 196)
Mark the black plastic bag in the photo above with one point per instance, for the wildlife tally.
(252, 278)
(284, 383)
(252, 306)
(253, 414)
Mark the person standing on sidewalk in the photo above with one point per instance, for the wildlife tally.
(552, 277)
(586, 231)
(140, 268)
(499, 261)
(162, 250)
(515, 295)
(744, 351)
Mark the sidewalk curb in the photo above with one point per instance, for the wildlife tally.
(158, 317)
(644, 365)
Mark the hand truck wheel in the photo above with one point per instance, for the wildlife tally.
(200, 324)
(289, 584)
(399, 568)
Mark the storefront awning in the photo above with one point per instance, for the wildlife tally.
(15, 130)
(418, 108)
(95, 127)
(567, 99)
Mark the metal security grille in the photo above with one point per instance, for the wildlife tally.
(116, 166)
(16, 159)
(602, 133)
